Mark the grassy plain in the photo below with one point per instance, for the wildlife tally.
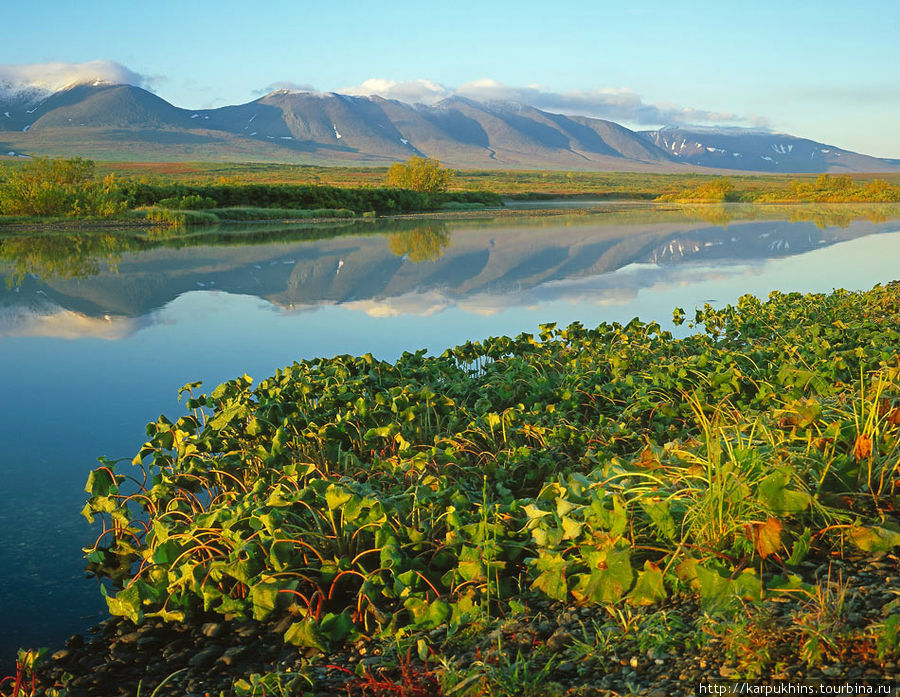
(506, 183)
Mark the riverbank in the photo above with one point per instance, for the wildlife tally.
(553, 649)
(612, 212)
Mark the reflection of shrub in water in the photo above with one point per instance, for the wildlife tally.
(823, 215)
(425, 242)
(64, 257)
(842, 215)
(717, 215)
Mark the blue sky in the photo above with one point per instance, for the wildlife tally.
(826, 70)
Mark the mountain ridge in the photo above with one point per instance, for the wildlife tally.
(117, 121)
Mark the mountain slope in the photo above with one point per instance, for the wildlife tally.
(97, 106)
(759, 151)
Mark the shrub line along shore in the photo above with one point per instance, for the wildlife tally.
(71, 188)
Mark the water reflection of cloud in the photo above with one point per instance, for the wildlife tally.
(59, 323)
(624, 284)
(421, 304)
(616, 288)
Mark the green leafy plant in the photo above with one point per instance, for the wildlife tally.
(601, 466)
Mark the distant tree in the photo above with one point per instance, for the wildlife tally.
(420, 174)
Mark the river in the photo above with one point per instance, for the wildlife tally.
(99, 330)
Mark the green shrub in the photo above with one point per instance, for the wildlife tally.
(612, 466)
(718, 190)
(250, 213)
(486, 198)
(177, 218)
(58, 187)
(191, 202)
(461, 206)
(421, 174)
(826, 188)
(307, 196)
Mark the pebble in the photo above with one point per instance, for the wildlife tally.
(212, 629)
(231, 654)
(246, 630)
(206, 657)
(559, 640)
(129, 638)
(545, 628)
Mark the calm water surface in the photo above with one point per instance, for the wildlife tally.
(97, 332)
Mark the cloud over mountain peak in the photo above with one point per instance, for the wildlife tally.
(54, 76)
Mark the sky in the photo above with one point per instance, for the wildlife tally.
(825, 69)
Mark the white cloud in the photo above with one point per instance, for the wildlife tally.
(285, 85)
(411, 91)
(617, 104)
(51, 77)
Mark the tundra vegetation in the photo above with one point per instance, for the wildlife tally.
(45, 187)
(823, 189)
(182, 194)
(527, 184)
(684, 489)
(70, 188)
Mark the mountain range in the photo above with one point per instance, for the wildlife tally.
(122, 122)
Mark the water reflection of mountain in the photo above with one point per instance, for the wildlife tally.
(463, 262)
(749, 241)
